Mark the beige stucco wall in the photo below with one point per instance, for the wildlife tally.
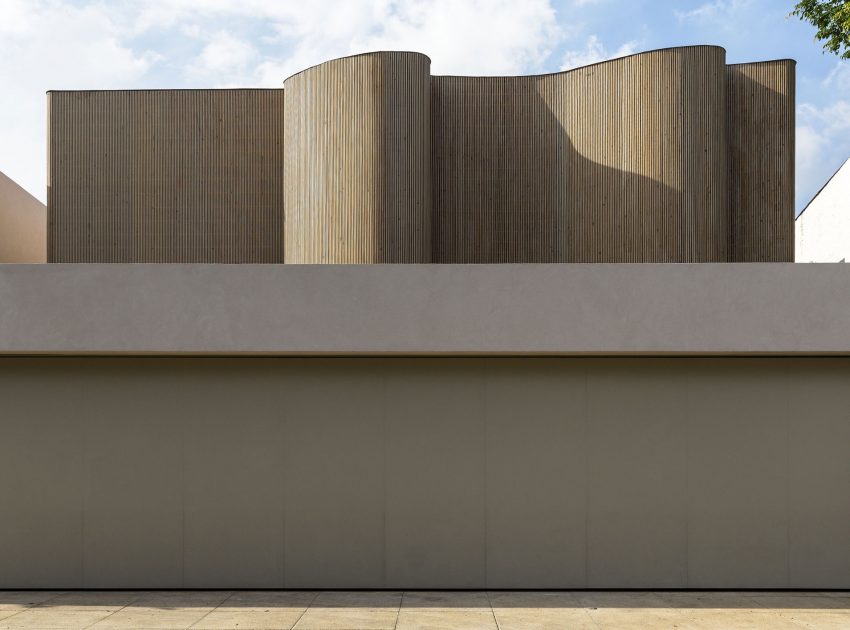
(23, 225)
(425, 473)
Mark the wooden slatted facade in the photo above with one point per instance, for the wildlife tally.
(357, 188)
(664, 156)
(191, 176)
(520, 176)
(760, 115)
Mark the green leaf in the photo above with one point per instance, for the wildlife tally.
(831, 18)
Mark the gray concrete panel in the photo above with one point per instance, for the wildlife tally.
(819, 478)
(234, 512)
(42, 476)
(738, 464)
(335, 453)
(435, 475)
(424, 472)
(425, 309)
(134, 503)
(536, 479)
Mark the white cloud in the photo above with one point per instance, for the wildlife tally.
(16, 18)
(92, 44)
(711, 10)
(49, 45)
(192, 31)
(224, 58)
(839, 77)
(517, 37)
(594, 52)
(823, 144)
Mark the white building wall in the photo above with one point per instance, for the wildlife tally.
(823, 228)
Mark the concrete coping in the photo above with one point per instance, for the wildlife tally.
(384, 310)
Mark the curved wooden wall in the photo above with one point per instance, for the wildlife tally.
(499, 158)
(622, 161)
(663, 156)
(761, 115)
(356, 167)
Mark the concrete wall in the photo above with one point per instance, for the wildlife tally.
(425, 309)
(662, 156)
(823, 228)
(425, 473)
(23, 225)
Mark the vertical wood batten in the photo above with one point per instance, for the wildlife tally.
(622, 161)
(166, 176)
(761, 118)
(664, 156)
(357, 181)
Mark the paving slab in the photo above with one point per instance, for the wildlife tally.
(543, 619)
(423, 610)
(446, 619)
(17, 600)
(48, 618)
(133, 618)
(364, 610)
(270, 619)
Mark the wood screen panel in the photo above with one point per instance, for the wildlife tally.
(622, 161)
(166, 176)
(660, 157)
(357, 157)
(761, 118)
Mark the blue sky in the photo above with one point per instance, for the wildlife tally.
(84, 44)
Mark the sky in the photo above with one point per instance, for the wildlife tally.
(119, 44)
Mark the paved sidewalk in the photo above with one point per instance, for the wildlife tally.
(419, 610)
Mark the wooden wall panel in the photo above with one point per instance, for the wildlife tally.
(357, 161)
(166, 176)
(761, 119)
(622, 161)
(664, 156)
(705, 164)
(88, 177)
(498, 161)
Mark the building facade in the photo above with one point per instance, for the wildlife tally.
(425, 426)
(664, 156)
(452, 425)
